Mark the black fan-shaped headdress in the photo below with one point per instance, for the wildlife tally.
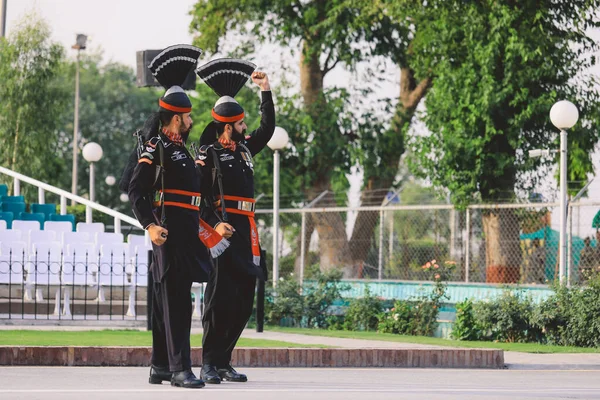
(170, 68)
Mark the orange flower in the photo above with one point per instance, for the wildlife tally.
(437, 276)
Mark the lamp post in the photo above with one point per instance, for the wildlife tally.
(278, 142)
(92, 152)
(124, 198)
(3, 18)
(80, 44)
(563, 115)
(110, 180)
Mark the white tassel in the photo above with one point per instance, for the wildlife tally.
(219, 248)
(256, 260)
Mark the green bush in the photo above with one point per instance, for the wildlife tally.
(362, 313)
(79, 212)
(571, 316)
(410, 318)
(465, 325)
(507, 318)
(284, 302)
(321, 296)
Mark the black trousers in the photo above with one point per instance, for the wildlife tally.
(171, 321)
(228, 301)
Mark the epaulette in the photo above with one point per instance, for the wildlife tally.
(202, 154)
(149, 148)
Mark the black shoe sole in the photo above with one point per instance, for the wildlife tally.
(154, 380)
(235, 380)
(187, 387)
(214, 381)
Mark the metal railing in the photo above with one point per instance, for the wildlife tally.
(64, 195)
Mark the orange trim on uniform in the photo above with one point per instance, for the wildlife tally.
(141, 160)
(174, 108)
(183, 192)
(236, 211)
(238, 198)
(219, 118)
(182, 205)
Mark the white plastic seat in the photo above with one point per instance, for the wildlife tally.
(44, 268)
(40, 237)
(92, 227)
(101, 238)
(11, 235)
(26, 225)
(12, 260)
(79, 262)
(71, 237)
(198, 290)
(114, 258)
(138, 268)
(58, 226)
(2, 225)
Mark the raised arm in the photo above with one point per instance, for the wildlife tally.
(259, 138)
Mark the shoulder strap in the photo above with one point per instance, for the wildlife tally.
(243, 146)
(217, 173)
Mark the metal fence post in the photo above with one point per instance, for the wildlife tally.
(380, 262)
(569, 243)
(302, 248)
(468, 244)
(149, 293)
(260, 305)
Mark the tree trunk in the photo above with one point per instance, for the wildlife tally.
(502, 245)
(16, 142)
(411, 94)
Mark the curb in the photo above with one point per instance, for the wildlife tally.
(261, 357)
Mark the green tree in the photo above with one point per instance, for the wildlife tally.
(32, 102)
(322, 124)
(499, 66)
(111, 108)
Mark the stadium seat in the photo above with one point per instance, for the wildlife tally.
(39, 217)
(93, 227)
(44, 268)
(8, 217)
(40, 237)
(12, 199)
(114, 258)
(58, 226)
(12, 258)
(3, 191)
(11, 235)
(79, 262)
(3, 225)
(26, 225)
(101, 238)
(75, 238)
(67, 217)
(15, 208)
(46, 209)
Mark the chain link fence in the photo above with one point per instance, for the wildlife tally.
(503, 243)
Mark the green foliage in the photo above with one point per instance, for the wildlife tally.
(32, 101)
(571, 317)
(498, 69)
(362, 313)
(308, 307)
(465, 325)
(79, 212)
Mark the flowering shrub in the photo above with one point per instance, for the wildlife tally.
(363, 313)
(418, 316)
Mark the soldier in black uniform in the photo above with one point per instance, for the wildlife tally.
(229, 294)
(167, 169)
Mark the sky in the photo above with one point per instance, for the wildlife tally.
(122, 27)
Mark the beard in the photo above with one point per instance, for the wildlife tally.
(185, 132)
(238, 136)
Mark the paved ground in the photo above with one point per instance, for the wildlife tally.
(74, 383)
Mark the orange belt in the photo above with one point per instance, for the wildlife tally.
(179, 198)
(245, 206)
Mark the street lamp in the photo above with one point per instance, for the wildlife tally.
(563, 115)
(124, 198)
(92, 153)
(278, 142)
(110, 180)
(80, 44)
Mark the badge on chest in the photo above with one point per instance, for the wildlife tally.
(178, 155)
(248, 159)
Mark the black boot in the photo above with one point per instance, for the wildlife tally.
(186, 379)
(209, 374)
(229, 374)
(159, 374)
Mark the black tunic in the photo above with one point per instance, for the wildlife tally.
(183, 250)
(238, 180)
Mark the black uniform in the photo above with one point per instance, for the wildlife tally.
(229, 294)
(183, 258)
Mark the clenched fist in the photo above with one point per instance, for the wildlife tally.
(261, 79)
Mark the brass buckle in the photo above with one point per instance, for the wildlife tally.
(196, 200)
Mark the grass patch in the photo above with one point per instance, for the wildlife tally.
(388, 337)
(113, 338)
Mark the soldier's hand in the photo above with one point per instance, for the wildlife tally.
(158, 234)
(261, 79)
(225, 230)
